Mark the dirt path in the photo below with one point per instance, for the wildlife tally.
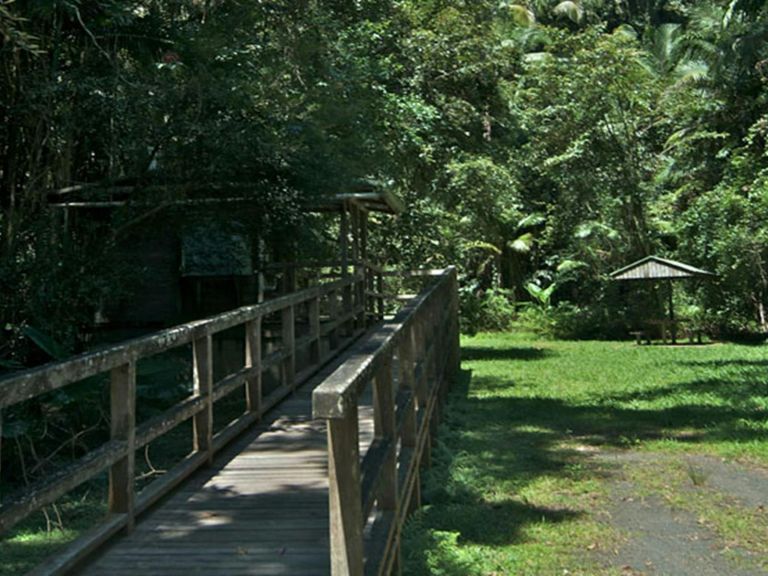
(659, 503)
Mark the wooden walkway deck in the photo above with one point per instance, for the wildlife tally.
(274, 491)
(262, 508)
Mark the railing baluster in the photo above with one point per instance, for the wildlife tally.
(454, 366)
(384, 429)
(1, 452)
(380, 297)
(333, 314)
(410, 431)
(289, 346)
(422, 383)
(203, 386)
(123, 427)
(314, 331)
(253, 360)
(345, 498)
(347, 304)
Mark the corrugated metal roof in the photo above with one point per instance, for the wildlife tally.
(655, 268)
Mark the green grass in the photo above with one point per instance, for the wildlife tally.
(30, 541)
(515, 488)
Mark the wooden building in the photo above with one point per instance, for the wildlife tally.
(192, 258)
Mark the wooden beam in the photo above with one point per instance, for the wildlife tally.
(345, 498)
(344, 241)
(384, 429)
(288, 370)
(1, 451)
(59, 483)
(253, 360)
(314, 330)
(203, 387)
(333, 312)
(122, 491)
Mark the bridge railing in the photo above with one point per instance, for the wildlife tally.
(408, 362)
(373, 290)
(335, 314)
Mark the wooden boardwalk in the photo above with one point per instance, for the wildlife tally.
(274, 491)
(262, 508)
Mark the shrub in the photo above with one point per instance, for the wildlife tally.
(490, 310)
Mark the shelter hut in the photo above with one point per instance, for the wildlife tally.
(193, 257)
(656, 269)
(200, 256)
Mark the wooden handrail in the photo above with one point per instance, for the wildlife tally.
(120, 361)
(409, 361)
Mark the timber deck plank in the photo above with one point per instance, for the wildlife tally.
(260, 509)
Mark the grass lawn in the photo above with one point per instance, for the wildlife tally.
(540, 437)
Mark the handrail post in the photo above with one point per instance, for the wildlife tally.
(380, 297)
(345, 495)
(123, 427)
(361, 318)
(418, 349)
(385, 425)
(1, 448)
(410, 419)
(384, 429)
(370, 307)
(314, 330)
(253, 360)
(433, 372)
(333, 313)
(455, 330)
(347, 305)
(289, 346)
(203, 386)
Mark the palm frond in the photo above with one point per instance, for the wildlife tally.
(521, 14)
(574, 11)
(522, 244)
(691, 72)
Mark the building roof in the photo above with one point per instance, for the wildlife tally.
(655, 268)
(370, 198)
(373, 201)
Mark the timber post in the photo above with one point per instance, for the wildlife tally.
(314, 330)
(253, 361)
(123, 428)
(333, 312)
(288, 370)
(345, 496)
(203, 387)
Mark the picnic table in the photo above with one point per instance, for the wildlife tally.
(668, 330)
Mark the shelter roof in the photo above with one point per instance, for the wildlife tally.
(368, 197)
(655, 268)
(373, 201)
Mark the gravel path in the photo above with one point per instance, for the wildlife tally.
(663, 540)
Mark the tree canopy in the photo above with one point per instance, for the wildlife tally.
(538, 145)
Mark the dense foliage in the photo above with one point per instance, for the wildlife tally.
(539, 145)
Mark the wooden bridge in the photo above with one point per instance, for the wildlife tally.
(317, 474)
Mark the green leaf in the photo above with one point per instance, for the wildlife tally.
(570, 265)
(534, 219)
(47, 344)
(571, 10)
(522, 244)
(10, 364)
(522, 15)
(480, 245)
